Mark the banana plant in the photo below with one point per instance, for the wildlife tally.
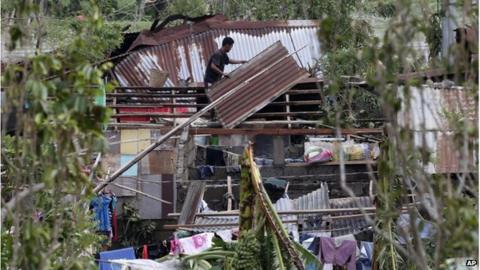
(264, 242)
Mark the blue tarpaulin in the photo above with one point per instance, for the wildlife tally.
(124, 253)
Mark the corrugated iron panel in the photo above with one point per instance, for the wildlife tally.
(278, 78)
(184, 51)
(425, 112)
(285, 204)
(221, 221)
(214, 221)
(354, 225)
(317, 199)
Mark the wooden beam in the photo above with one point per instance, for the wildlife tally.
(161, 115)
(186, 115)
(278, 151)
(136, 104)
(184, 95)
(252, 131)
(291, 212)
(177, 226)
(229, 193)
(192, 201)
(155, 105)
(281, 131)
(141, 193)
(159, 88)
(304, 91)
(153, 95)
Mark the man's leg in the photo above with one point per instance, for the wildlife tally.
(212, 111)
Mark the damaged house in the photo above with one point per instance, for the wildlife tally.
(273, 103)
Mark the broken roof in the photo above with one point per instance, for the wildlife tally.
(276, 72)
(183, 51)
(425, 112)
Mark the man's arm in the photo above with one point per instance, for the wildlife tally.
(216, 69)
(233, 61)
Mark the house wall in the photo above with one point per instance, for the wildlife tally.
(154, 174)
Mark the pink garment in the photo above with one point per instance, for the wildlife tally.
(175, 247)
(199, 240)
(191, 245)
(324, 156)
(344, 254)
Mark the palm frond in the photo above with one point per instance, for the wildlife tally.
(307, 257)
(277, 253)
(203, 264)
(269, 211)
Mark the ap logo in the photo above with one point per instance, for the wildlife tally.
(471, 263)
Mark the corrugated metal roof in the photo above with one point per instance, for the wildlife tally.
(317, 199)
(285, 204)
(352, 225)
(184, 50)
(425, 114)
(278, 78)
(220, 223)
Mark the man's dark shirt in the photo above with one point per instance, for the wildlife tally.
(220, 59)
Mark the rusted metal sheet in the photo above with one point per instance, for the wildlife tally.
(425, 113)
(277, 78)
(183, 51)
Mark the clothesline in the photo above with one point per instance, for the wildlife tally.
(138, 140)
(233, 179)
(141, 193)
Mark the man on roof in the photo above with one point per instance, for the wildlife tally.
(217, 62)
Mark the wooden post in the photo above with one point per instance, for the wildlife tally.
(287, 99)
(192, 201)
(229, 193)
(278, 151)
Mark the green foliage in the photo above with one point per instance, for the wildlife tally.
(385, 10)
(135, 230)
(434, 35)
(343, 37)
(401, 169)
(57, 131)
(192, 8)
(247, 251)
(247, 195)
(219, 256)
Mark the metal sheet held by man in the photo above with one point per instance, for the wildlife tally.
(277, 78)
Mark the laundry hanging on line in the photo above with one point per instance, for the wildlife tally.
(104, 208)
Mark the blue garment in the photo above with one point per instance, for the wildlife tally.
(364, 262)
(124, 253)
(315, 249)
(114, 202)
(305, 236)
(205, 171)
(100, 206)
